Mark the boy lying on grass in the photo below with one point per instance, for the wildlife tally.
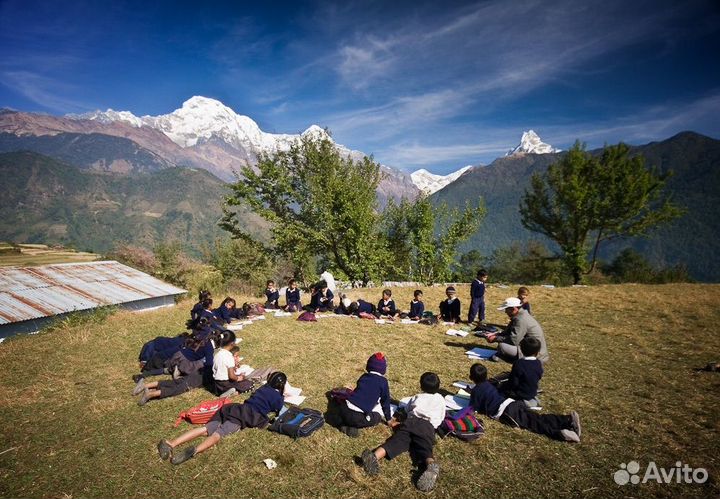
(253, 413)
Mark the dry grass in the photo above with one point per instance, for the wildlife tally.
(622, 356)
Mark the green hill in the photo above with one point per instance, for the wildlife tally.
(692, 240)
(43, 200)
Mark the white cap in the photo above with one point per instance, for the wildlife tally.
(510, 303)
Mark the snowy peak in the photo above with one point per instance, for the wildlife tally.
(110, 116)
(530, 143)
(429, 182)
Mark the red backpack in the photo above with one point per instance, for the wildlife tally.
(201, 413)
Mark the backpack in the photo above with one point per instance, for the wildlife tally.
(251, 309)
(366, 315)
(307, 316)
(297, 422)
(428, 321)
(463, 425)
(341, 393)
(201, 413)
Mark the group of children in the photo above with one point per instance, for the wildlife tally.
(209, 356)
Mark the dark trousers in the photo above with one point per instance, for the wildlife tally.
(357, 419)
(172, 387)
(414, 435)
(518, 414)
(477, 306)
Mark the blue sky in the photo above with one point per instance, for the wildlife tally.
(436, 85)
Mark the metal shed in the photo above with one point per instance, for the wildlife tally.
(31, 297)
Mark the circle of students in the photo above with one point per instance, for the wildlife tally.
(208, 356)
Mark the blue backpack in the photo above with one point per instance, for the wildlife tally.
(297, 422)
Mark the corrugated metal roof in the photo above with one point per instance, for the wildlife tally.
(34, 292)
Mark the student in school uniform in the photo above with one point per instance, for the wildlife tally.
(198, 307)
(322, 298)
(450, 308)
(477, 297)
(292, 297)
(272, 296)
(486, 399)
(360, 306)
(524, 297)
(227, 311)
(386, 305)
(417, 307)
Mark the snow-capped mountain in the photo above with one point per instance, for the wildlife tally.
(429, 182)
(215, 133)
(531, 143)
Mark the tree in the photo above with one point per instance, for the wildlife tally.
(424, 239)
(584, 200)
(319, 204)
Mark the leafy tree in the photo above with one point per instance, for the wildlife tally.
(465, 269)
(320, 205)
(242, 263)
(423, 239)
(631, 266)
(583, 200)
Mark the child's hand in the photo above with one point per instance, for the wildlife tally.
(393, 423)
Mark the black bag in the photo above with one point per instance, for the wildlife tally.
(297, 422)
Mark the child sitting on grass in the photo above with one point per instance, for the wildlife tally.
(226, 382)
(386, 306)
(292, 297)
(272, 296)
(415, 434)
(524, 379)
(253, 413)
(369, 401)
(524, 297)
(486, 399)
(417, 307)
(450, 308)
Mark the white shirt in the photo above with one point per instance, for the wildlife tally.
(222, 360)
(430, 407)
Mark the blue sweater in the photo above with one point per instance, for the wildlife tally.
(317, 302)
(226, 314)
(486, 399)
(292, 296)
(477, 290)
(272, 296)
(195, 312)
(391, 307)
(526, 306)
(206, 352)
(524, 379)
(265, 400)
(364, 306)
(450, 312)
(371, 387)
(417, 308)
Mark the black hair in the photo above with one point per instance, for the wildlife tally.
(322, 284)
(204, 295)
(387, 292)
(270, 281)
(235, 349)
(226, 338)
(197, 323)
(277, 380)
(207, 303)
(522, 290)
(530, 346)
(291, 282)
(417, 293)
(478, 373)
(430, 382)
(353, 307)
(228, 300)
(482, 273)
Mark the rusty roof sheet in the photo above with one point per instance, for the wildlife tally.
(34, 292)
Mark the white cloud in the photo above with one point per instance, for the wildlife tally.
(43, 90)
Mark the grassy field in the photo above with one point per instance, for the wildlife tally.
(32, 255)
(622, 356)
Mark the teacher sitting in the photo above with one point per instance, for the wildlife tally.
(522, 325)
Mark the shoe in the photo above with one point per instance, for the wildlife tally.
(429, 477)
(370, 462)
(228, 393)
(183, 456)
(576, 423)
(164, 450)
(350, 431)
(139, 386)
(570, 436)
(137, 377)
(145, 398)
(176, 373)
(495, 358)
